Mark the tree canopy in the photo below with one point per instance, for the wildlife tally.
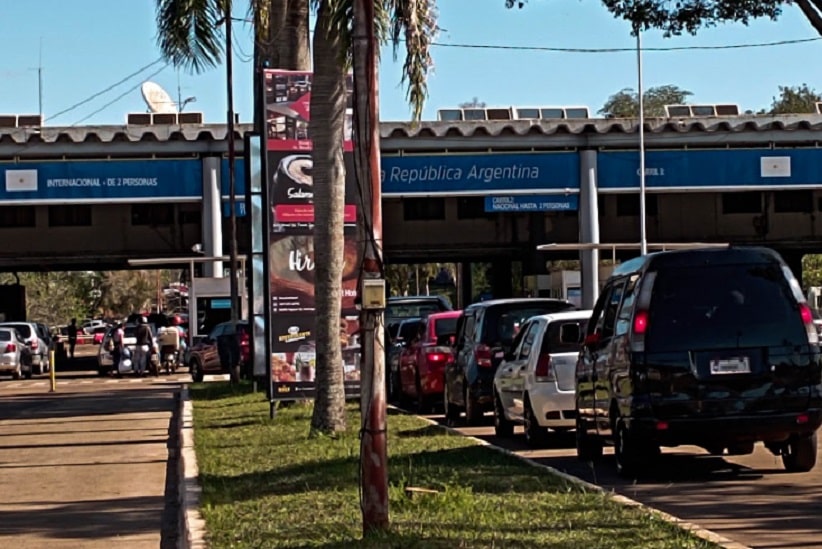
(795, 100)
(625, 103)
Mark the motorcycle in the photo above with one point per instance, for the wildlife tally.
(170, 358)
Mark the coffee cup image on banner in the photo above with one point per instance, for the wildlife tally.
(293, 181)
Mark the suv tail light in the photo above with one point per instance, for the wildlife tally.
(544, 370)
(640, 322)
(436, 357)
(807, 319)
(245, 338)
(482, 354)
(34, 344)
(10, 348)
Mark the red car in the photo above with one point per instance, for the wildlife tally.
(423, 360)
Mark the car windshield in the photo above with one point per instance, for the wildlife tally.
(413, 309)
(709, 307)
(409, 330)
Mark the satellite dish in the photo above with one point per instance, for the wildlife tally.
(157, 99)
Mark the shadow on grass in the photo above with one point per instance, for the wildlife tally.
(427, 431)
(213, 391)
(474, 467)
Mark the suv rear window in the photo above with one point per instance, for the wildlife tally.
(501, 323)
(413, 309)
(409, 330)
(24, 329)
(444, 326)
(5, 335)
(709, 307)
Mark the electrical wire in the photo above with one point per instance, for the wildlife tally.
(119, 97)
(105, 90)
(624, 50)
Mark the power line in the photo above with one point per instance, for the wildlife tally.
(623, 50)
(122, 95)
(109, 88)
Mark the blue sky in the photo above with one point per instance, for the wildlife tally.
(89, 45)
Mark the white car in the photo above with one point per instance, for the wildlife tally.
(105, 364)
(534, 385)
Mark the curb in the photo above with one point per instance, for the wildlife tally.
(191, 524)
(692, 528)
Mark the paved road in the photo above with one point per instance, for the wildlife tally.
(749, 499)
(89, 466)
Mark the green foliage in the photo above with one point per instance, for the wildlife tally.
(795, 100)
(625, 103)
(266, 484)
(812, 270)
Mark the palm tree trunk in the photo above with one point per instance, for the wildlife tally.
(328, 97)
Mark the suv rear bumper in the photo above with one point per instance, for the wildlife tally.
(699, 431)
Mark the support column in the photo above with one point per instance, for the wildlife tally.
(588, 227)
(466, 286)
(212, 216)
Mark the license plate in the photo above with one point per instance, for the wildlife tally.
(738, 365)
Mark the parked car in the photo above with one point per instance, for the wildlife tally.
(422, 361)
(212, 354)
(534, 385)
(485, 331)
(401, 334)
(711, 347)
(414, 306)
(15, 355)
(37, 340)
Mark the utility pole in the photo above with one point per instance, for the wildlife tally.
(232, 197)
(40, 81)
(374, 454)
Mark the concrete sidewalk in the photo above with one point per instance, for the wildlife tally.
(94, 467)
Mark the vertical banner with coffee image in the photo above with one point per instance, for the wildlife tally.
(291, 242)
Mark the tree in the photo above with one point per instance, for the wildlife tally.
(188, 36)
(475, 103)
(625, 103)
(795, 100)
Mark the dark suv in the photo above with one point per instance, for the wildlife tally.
(710, 347)
(485, 331)
(213, 353)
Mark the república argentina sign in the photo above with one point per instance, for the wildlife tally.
(479, 173)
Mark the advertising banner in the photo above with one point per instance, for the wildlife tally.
(291, 264)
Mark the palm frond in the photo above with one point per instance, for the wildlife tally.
(187, 32)
(415, 23)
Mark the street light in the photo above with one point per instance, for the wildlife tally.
(643, 241)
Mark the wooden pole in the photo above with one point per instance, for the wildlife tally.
(374, 454)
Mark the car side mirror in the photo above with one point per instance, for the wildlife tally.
(592, 339)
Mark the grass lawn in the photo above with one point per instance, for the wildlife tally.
(266, 484)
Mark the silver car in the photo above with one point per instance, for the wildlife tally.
(15, 355)
(37, 341)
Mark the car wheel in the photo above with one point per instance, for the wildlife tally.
(196, 372)
(473, 412)
(502, 426)
(629, 454)
(535, 435)
(800, 454)
(451, 413)
(588, 448)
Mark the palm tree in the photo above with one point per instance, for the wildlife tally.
(189, 36)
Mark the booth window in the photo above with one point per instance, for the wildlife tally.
(627, 205)
(749, 202)
(152, 214)
(793, 202)
(423, 209)
(471, 207)
(16, 216)
(70, 216)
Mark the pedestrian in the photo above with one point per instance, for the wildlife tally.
(143, 347)
(72, 336)
(117, 337)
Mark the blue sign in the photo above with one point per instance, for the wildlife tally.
(480, 174)
(532, 203)
(239, 207)
(101, 181)
(221, 303)
(712, 169)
